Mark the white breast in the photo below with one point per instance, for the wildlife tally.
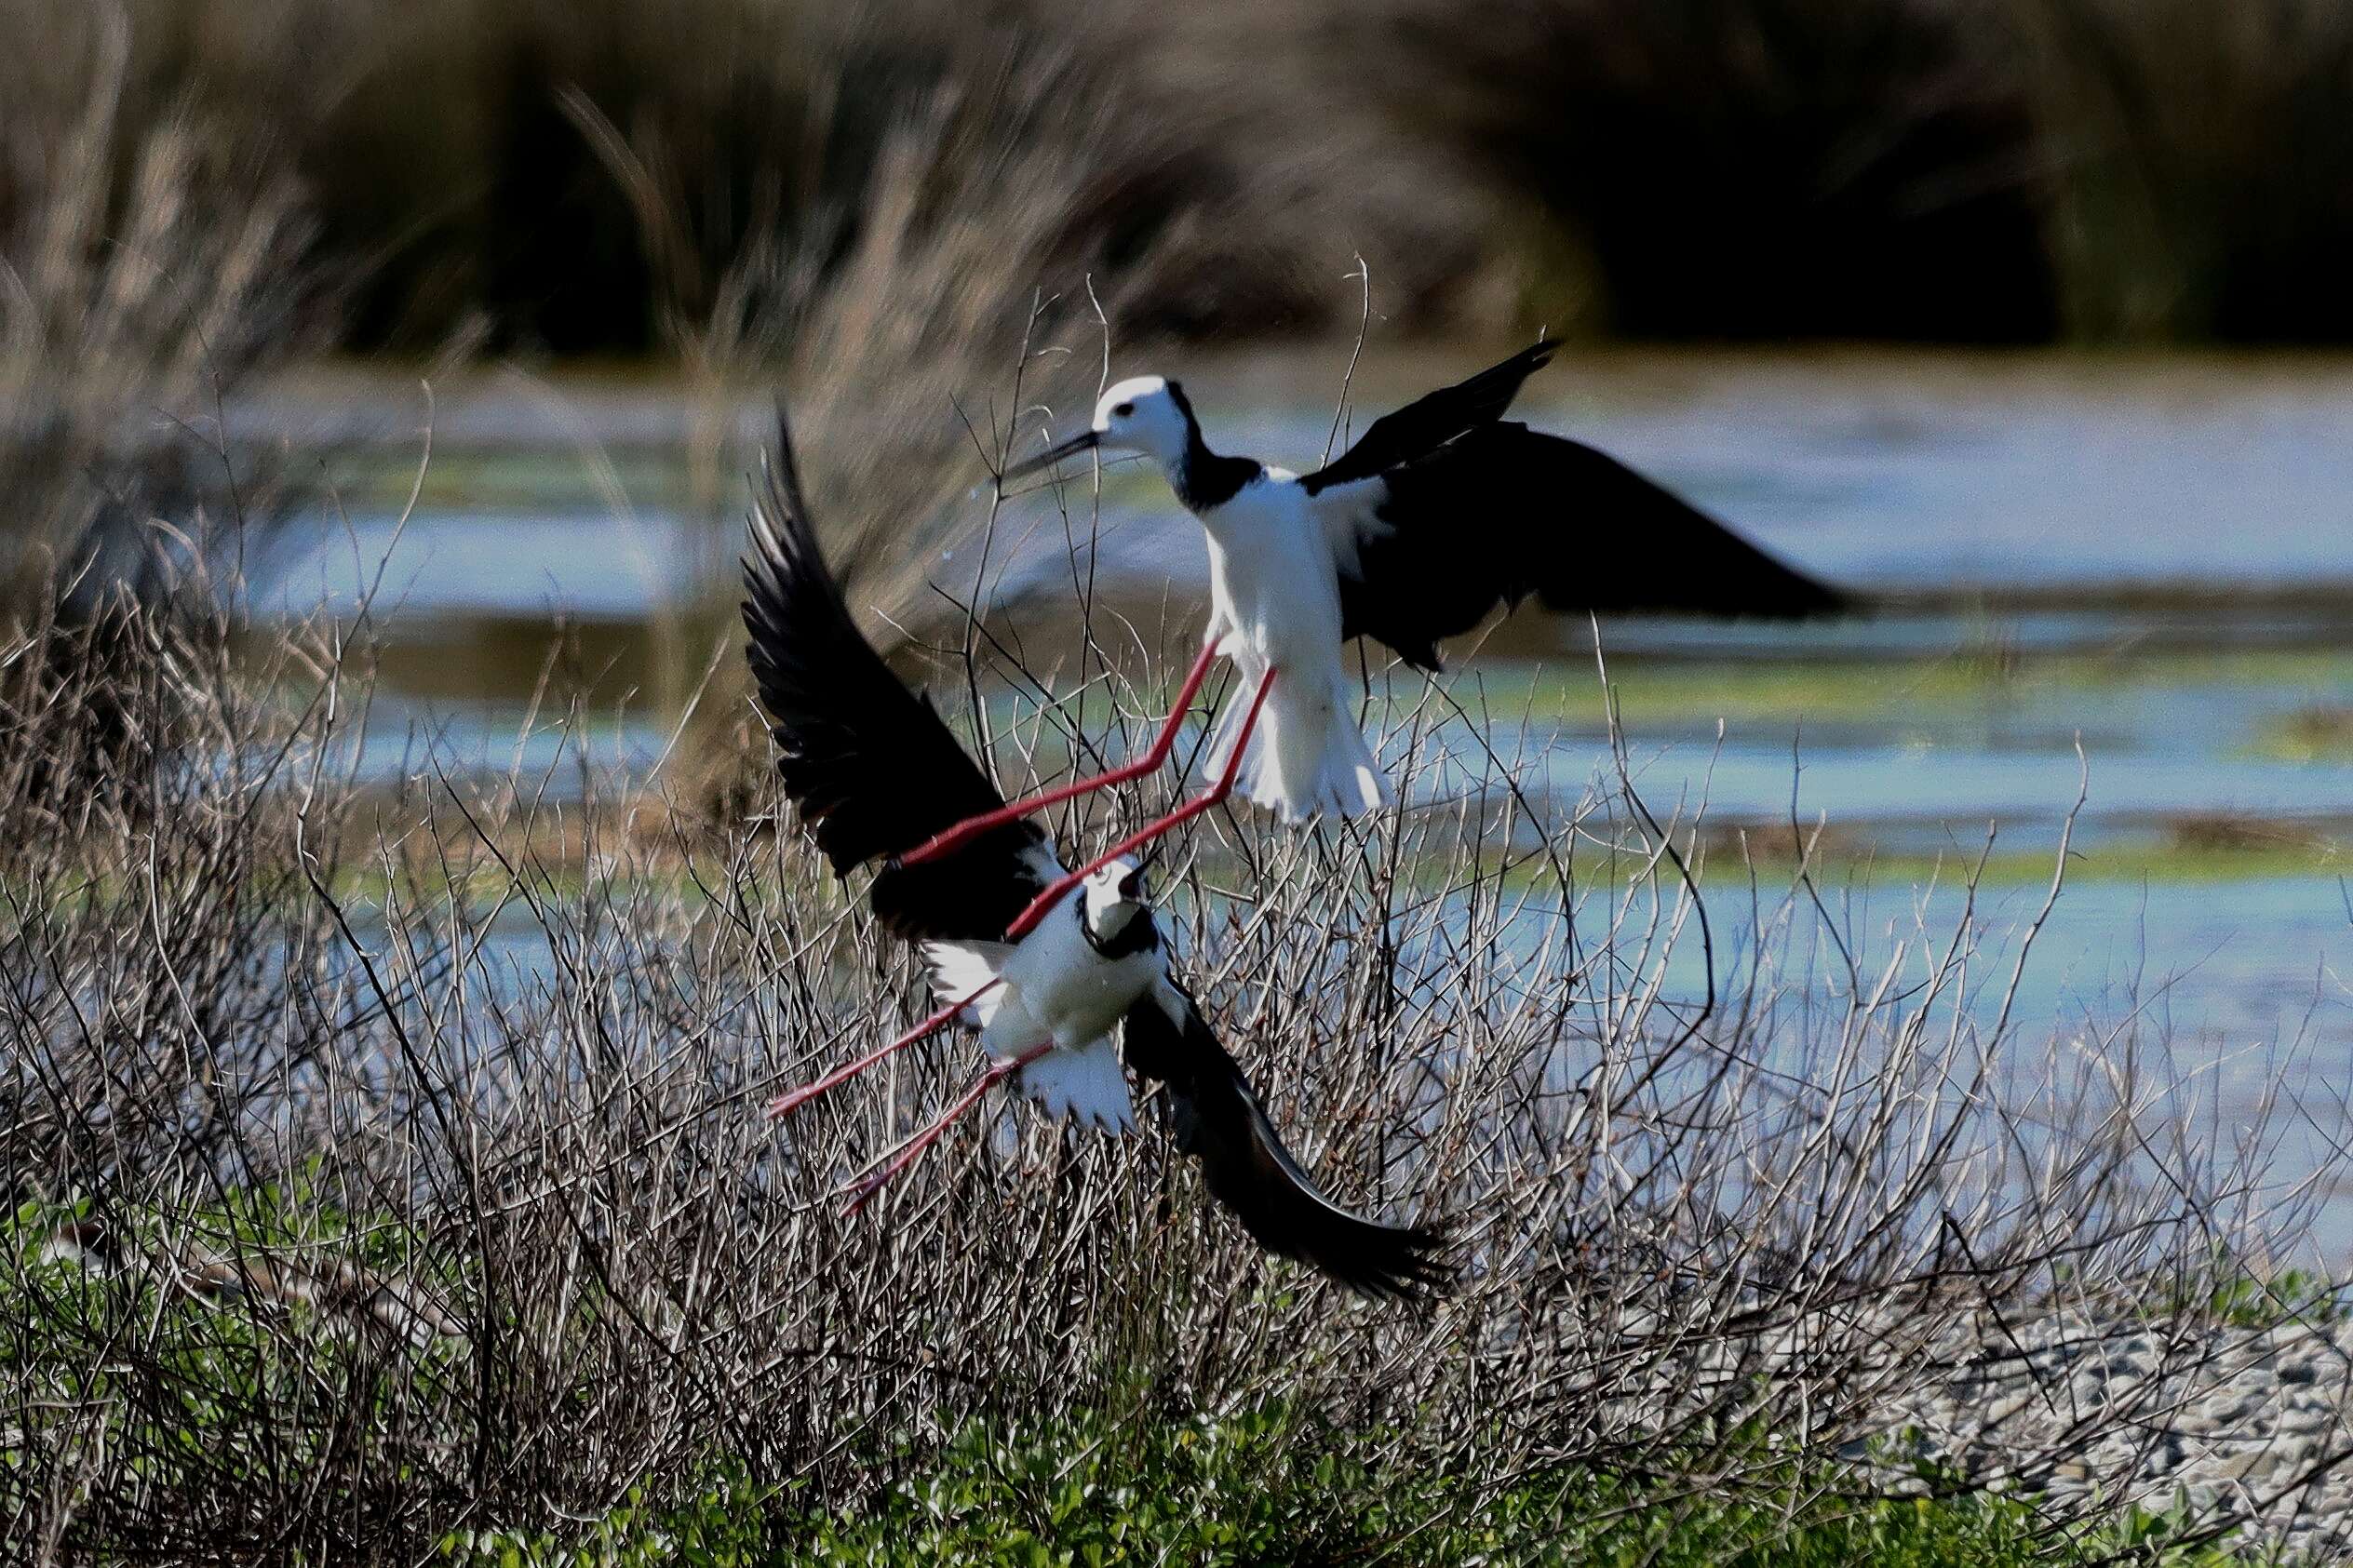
(1273, 596)
(1068, 989)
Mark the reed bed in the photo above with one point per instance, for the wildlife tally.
(148, 270)
(2031, 170)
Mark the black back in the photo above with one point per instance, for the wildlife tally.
(869, 764)
(1476, 512)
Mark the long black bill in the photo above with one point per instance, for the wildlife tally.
(1082, 442)
(1132, 886)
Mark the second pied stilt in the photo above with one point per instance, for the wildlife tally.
(1440, 512)
(874, 772)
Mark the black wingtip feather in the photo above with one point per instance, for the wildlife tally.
(1434, 419)
(1386, 1262)
(869, 763)
(1658, 551)
(1381, 1261)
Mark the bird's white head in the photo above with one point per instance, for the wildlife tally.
(1145, 414)
(1115, 896)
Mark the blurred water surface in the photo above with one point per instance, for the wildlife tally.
(1930, 473)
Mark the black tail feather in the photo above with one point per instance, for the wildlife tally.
(1218, 1120)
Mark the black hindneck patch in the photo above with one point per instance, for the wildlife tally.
(1205, 481)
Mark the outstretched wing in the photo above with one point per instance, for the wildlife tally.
(1430, 421)
(869, 764)
(1219, 1121)
(1427, 549)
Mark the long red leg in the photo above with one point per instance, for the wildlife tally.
(1182, 814)
(785, 1104)
(868, 1185)
(964, 832)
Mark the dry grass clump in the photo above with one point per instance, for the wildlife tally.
(149, 264)
(885, 277)
(146, 268)
(382, 1176)
(439, 148)
(994, 206)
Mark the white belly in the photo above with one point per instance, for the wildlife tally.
(1059, 989)
(1275, 605)
(1273, 597)
(1065, 990)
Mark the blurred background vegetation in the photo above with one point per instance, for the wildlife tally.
(2007, 171)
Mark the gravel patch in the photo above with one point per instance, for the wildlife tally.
(2249, 1426)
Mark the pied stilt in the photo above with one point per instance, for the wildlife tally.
(874, 772)
(1440, 510)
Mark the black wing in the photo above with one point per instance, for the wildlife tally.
(1218, 1120)
(871, 766)
(1429, 422)
(1503, 512)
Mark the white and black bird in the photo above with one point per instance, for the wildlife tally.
(874, 772)
(1438, 514)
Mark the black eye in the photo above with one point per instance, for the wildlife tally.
(1124, 411)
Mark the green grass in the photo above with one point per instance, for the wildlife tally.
(220, 1392)
(2136, 861)
(1146, 1483)
(1090, 1487)
(1906, 692)
(2318, 733)
(1260, 1486)
(495, 480)
(2249, 1298)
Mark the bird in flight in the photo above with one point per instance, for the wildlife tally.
(874, 772)
(1440, 512)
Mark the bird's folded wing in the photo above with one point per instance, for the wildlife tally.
(1217, 1119)
(870, 763)
(1503, 512)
